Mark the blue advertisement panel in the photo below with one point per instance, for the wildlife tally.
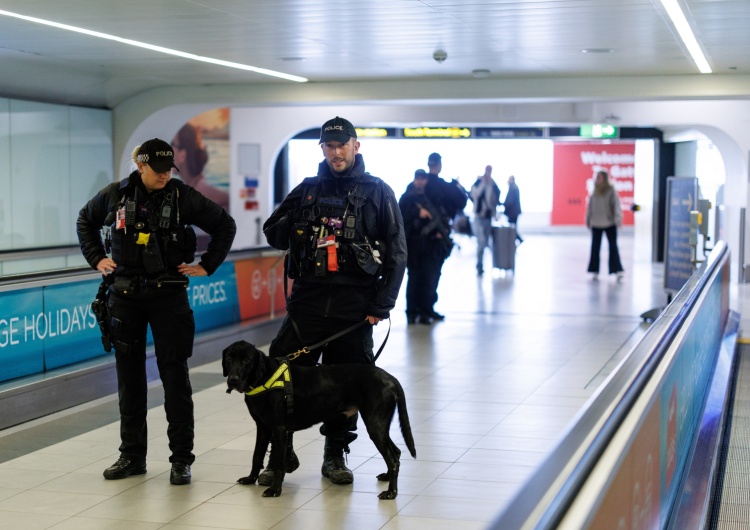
(67, 327)
(20, 353)
(682, 197)
(214, 298)
(49, 327)
(683, 392)
(663, 430)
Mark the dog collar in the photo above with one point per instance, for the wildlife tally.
(277, 380)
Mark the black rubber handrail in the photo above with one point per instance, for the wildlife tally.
(53, 275)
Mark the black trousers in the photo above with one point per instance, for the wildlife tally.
(614, 254)
(170, 317)
(422, 284)
(353, 347)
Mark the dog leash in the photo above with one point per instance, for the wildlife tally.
(380, 350)
(308, 349)
(282, 378)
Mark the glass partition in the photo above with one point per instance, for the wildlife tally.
(53, 158)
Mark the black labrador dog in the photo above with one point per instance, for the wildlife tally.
(317, 394)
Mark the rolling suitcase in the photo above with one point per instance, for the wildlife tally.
(504, 247)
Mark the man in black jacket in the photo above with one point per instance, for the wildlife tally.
(447, 199)
(428, 242)
(512, 206)
(347, 255)
(146, 218)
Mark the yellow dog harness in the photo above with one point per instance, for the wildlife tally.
(282, 380)
(279, 379)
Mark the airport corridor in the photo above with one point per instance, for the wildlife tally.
(488, 390)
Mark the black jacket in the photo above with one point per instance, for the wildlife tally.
(348, 297)
(512, 203)
(194, 209)
(451, 196)
(422, 239)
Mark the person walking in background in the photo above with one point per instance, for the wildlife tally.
(191, 156)
(485, 194)
(604, 215)
(448, 198)
(148, 217)
(512, 206)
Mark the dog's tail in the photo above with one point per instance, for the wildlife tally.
(403, 420)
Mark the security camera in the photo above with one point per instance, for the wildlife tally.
(440, 56)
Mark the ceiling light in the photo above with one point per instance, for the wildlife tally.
(155, 48)
(597, 50)
(686, 34)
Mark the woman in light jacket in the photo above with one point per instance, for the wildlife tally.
(604, 215)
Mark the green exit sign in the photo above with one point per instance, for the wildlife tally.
(598, 131)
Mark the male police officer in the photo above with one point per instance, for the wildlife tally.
(146, 216)
(449, 198)
(347, 255)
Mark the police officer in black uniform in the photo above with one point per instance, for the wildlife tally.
(448, 199)
(347, 255)
(146, 218)
(428, 243)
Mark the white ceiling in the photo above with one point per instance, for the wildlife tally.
(352, 40)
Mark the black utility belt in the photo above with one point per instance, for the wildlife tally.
(133, 284)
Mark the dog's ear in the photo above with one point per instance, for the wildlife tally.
(224, 363)
(225, 356)
(256, 367)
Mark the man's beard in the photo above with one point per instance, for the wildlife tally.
(347, 170)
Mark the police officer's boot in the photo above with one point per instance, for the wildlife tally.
(292, 463)
(333, 461)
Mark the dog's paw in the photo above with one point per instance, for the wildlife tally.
(388, 495)
(272, 492)
(383, 477)
(248, 480)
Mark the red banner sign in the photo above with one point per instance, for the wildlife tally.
(574, 169)
(260, 287)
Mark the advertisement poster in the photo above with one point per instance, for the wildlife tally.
(214, 298)
(574, 170)
(66, 331)
(260, 286)
(20, 353)
(632, 498)
(201, 152)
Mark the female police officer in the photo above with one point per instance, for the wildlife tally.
(146, 218)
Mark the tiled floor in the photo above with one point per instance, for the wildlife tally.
(488, 391)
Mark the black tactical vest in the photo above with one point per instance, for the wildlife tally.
(147, 236)
(334, 233)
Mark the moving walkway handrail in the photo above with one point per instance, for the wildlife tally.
(545, 498)
(67, 274)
